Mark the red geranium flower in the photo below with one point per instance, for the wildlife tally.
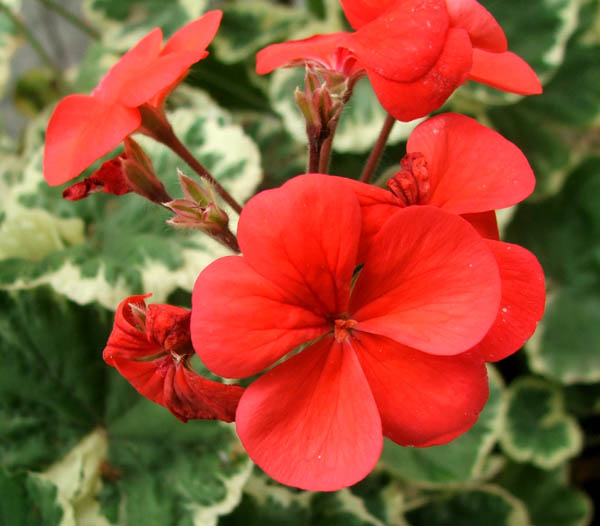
(379, 354)
(83, 128)
(150, 346)
(416, 53)
(456, 164)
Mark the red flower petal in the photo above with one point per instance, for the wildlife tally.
(471, 168)
(130, 67)
(376, 206)
(410, 100)
(319, 48)
(163, 73)
(195, 36)
(360, 12)
(504, 71)
(405, 41)
(485, 223)
(422, 399)
(302, 240)
(81, 130)
(242, 323)
(429, 282)
(484, 30)
(311, 422)
(522, 303)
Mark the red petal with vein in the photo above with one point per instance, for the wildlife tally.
(522, 303)
(403, 43)
(429, 282)
(81, 130)
(242, 323)
(302, 240)
(410, 100)
(422, 399)
(471, 168)
(130, 66)
(311, 422)
(484, 30)
(319, 48)
(504, 71)
(360, 12)
(485, 223)
(195, 36)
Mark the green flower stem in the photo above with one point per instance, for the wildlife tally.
(37, 46)
(76, 21)
(377, 151)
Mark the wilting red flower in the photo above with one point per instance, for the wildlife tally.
(131, 171)
(381, 356)
(416, 53)
(85, 127)
(456, 164)
(150, 346)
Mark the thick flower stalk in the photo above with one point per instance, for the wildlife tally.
(83, 128)
(464, 168)
(415, 52)
(380, 354)
(150, 346)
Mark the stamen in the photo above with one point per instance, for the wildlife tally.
(342, 328)
(411, 184)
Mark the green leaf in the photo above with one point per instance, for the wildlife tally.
(538, 430)
(52, 380)
(27, 500)
(549, 500)
(282, 156)
(250, 26)
(127, 247)
(460, 460)
(468, 507)
(564, 232)
(167, 471)
(566, 344)
(111, 456)
(267, 503)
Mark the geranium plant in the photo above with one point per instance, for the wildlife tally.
(282, 307)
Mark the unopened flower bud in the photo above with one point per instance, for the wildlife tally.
(200, 211)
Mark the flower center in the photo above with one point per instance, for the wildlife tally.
(411, 184)
(342, 328)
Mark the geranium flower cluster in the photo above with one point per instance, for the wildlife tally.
(369, 311)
